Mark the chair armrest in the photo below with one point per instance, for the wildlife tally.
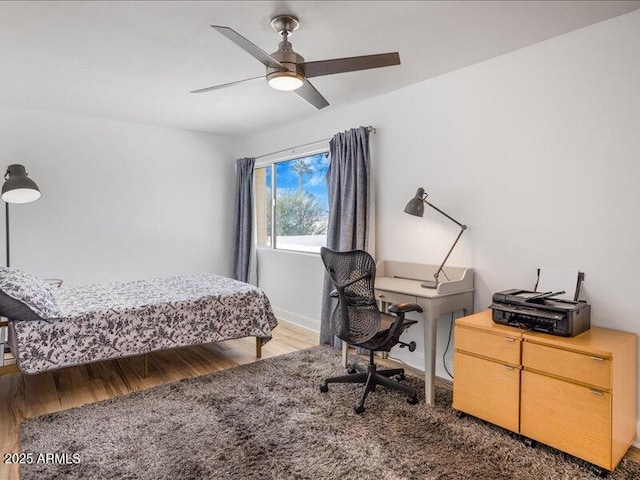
(399, 309)
(405, 307)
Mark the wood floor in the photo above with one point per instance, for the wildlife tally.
(25, 396)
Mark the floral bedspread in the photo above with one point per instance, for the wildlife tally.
(101, 322)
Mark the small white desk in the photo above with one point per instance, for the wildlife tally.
(399, 282)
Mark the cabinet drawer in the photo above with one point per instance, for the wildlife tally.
(487, 390)
(393, 297)
(499, 347)
(578, 367)
(566, 416)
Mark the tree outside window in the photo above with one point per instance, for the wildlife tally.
(299, 202)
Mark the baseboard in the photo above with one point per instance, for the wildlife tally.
(309, 323)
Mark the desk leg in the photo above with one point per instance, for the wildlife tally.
(430, 336)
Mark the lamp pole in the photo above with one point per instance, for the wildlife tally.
(6, 229)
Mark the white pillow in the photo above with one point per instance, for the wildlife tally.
(30, 290)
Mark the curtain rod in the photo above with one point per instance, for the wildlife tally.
(370, 129)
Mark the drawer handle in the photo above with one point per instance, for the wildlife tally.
(600, 359)
(380, 295)
(509, 339)
(509, 367)
(596, 392)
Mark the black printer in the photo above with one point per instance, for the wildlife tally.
(541, 312)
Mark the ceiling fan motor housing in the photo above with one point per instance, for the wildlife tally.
(285, 26)
(287, 57)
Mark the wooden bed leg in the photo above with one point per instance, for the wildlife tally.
(146, 365)
(258, 347)
(345, 354)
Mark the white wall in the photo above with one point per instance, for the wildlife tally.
(538, 151)
(120, 201)
(292, 282)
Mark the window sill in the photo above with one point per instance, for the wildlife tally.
(283, 250)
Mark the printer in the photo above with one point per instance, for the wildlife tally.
(541, 312)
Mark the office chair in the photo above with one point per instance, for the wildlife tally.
(358, 321)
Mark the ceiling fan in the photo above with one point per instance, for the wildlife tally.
(287, 70)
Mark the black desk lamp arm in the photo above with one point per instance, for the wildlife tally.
(462, 229)
(437, 274)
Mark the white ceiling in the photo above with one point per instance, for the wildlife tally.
(137, 61)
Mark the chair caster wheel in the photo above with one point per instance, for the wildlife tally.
(401, 376)
(358, 409)
(412, 400)
(599, 471)
(324, 388)
(460, 414)
(351, 370)
(530, 443)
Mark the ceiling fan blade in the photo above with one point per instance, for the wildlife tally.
(224, 85)
(350, 64)
(309, 94)
(253, 50)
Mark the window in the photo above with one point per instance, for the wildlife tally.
(292, 203)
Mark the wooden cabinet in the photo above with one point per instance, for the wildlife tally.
(494, 345)
(567, 416)
(487, 390)
(585, 388)
(487, 373)
(575, 394)
(581, 368)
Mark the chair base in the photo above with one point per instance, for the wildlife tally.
(371, 377)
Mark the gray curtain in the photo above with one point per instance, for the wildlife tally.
(243, 246)
(348, 184)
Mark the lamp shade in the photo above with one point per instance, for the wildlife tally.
(18, 187)
(416, 204)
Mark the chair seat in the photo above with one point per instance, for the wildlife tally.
(386, 321)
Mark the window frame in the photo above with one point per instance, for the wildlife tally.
(294, 155)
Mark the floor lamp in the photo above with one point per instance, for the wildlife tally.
(416, 207)
(17, 188)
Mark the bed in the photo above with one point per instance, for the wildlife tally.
(92, 323)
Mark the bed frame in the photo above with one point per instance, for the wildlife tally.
(106, 322)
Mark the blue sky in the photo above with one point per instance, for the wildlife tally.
(314, 182)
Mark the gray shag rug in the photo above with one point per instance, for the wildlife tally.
(268, 420)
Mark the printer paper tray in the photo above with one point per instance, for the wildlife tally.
(526, 311)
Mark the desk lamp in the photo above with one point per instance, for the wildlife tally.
(17, 188)
(416, 207)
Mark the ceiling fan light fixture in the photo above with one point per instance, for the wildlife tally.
(286, 81)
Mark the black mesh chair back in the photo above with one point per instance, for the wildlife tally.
(356, 318)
